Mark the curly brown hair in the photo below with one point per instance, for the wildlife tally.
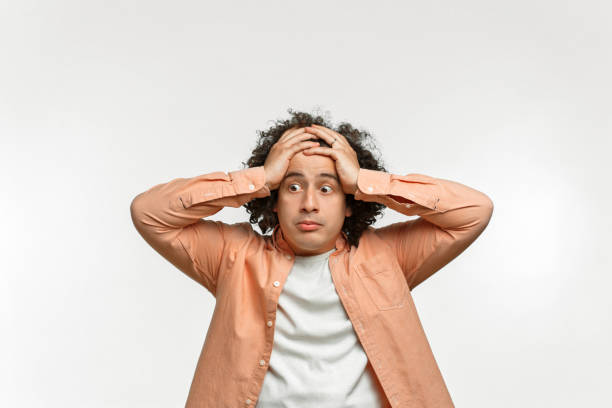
(363, 213)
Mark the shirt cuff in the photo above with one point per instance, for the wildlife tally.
(250, 181)
(372, 182)
(412, 188)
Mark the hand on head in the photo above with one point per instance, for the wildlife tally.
(295, 140)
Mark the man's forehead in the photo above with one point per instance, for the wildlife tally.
(312, 166)
(302, 175)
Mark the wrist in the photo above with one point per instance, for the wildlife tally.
(271, 186)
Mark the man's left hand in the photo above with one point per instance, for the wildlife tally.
(347, 165)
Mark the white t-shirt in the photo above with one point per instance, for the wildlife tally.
(317, 360)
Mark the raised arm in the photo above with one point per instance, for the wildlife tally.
(168, 216)
(451, 217)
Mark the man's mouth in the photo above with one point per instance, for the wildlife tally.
(308, 225)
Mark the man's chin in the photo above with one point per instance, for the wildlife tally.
(307, 246)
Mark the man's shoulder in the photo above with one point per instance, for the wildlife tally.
(372, 240)
(238, 232)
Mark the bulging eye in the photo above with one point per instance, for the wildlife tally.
(291, 185)
(330, 189)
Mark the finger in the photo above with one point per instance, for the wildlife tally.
(291, 132)
(327, 135)
(299, 137)
(321, 133)
(302, 146)
(327, 151)
(332, 132)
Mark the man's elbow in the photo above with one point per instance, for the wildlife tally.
(136, 211)
(487, 210)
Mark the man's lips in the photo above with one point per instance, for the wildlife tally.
(308, 225)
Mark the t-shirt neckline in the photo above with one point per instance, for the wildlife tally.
(314, 258)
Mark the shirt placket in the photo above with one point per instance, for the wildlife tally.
(272, 295)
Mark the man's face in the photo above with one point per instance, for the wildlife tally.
(311, 191)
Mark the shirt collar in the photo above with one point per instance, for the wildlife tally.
(279, 240)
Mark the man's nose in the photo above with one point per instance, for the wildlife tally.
(310, 201)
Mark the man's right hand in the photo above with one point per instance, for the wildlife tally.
(291, 142)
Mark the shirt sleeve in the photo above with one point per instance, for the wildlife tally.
(451, 217)
(169, 218)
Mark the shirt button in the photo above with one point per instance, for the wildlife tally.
(370, 189)
(276, 283)
(248, 401)
(262, 362)
(251, 187)
(269, 323)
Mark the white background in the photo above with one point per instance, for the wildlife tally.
(101, 100)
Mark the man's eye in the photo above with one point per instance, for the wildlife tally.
(330, 189)
(291, 185)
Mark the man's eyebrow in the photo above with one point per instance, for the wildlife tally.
(300, 175)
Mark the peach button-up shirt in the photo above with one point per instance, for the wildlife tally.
(245, 272)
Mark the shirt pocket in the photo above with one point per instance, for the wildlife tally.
(384, 282)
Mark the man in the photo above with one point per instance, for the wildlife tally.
(320, 312)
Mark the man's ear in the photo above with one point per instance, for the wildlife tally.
(275, 206)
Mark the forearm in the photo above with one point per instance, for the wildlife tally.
(169, 207)
(447, 204)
